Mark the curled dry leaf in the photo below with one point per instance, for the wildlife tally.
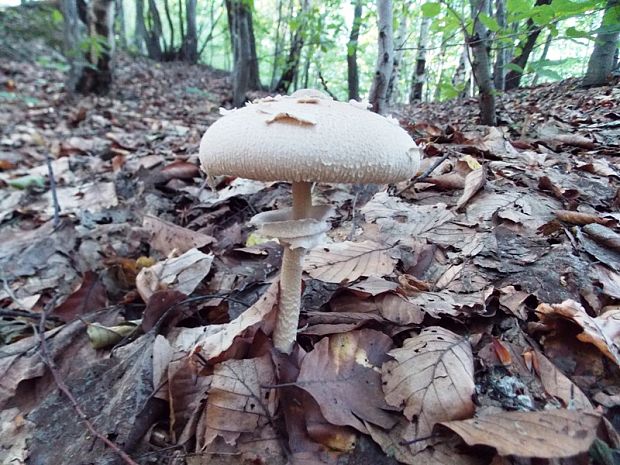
(473, 183)
(580, 218)
(182, 274)
(602, 331)
(103, 337)
(548, 434)
(342, 375)
(89, 297)
(347, 261)
(432, 377)
(238, 401)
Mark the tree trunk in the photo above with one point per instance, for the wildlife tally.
(460, 75)
(419, 73)
(602, 60)
(140, 37)
(74, 31)
(292, 62)
(513, 77)
(190, 43)
(154, 33)
(479, 45)
(239, 25)
(353, 78)
(169, 51)
(499, 77)
(96, 75)
(254, 80)
(122, 29)
(401, 38)
(385, 57)
(543, 56)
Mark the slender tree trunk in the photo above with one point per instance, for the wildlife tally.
(122, 29)
(277, 46)
(385, 57)
(155, 35)
(169, 51)
(479, 45)
(140, 38)
(460, 75)
(399, 43)
(353, 78)
(292, 62)
(543, 56)
(254, 80)
(513, 78)
(239, 20)
(74, 31)
(96, 75)
(602, 60)
(499, 77)
(419, 73)
(190, 43)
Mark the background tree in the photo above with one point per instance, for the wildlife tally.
(353, 79)
(385, 57)
(419, 74)
(291, 66)
(480, 64)
(603, 56)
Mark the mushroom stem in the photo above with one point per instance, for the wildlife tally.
(290, 276)
(302, 199)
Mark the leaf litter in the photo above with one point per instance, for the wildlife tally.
(475, 306)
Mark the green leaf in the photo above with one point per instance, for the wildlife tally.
(27, 181)
(431, 9)
(489, 22)
(574, 33)
(514, 67)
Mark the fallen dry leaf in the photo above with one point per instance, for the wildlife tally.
(432, 378)
(166, 236)
(239, 402)
(549, 434)
(89, 297)
(341, 373)
(559, 385)
(602, 331)
(347, 261)
(473, 183)
(182, 274)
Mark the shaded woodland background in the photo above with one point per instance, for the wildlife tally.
(479, 324)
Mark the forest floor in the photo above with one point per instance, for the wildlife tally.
(146, 303)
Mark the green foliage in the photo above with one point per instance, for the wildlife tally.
(430, 10)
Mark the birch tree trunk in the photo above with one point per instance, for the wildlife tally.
(419, 73)
(460, 75)
(499, 78)
(353, 78)
(399, 43)
(291, 66)
(385, 57)
(479, 45)
(603, 59)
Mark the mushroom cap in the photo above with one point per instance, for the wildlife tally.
(308, 137)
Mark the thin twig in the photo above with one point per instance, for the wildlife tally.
(427, 173)
(50, 171)
(14, 313)
(65, 390)
(324, 84)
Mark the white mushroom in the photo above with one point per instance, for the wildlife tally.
(304, 138)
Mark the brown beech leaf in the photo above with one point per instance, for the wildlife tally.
(474, 181)
(430, 451)
(548, 434)
(558, 385)
(399, 310)
(238, 402)
(580, 218)
(179, 169)
(432, 377)
(347, 261)
(213, 340)
(609, 279)
(89, 297)
(604, 236)
(182, 274)
(166, 236)
(373, 286)
(602, 331)
(341, 373)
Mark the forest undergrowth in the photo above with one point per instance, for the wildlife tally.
(485, 306)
